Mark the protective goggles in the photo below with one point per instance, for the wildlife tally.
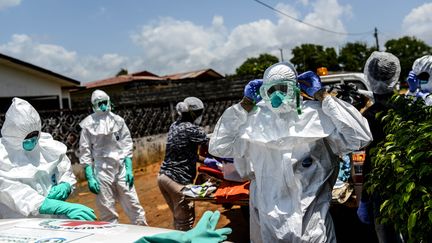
(102, 105)
(285, 92)
(30, 141)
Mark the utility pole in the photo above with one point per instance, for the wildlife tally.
(376, 38)
(281, 53)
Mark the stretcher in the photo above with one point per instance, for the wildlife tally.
(228, 193)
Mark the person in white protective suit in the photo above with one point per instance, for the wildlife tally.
(106, 153)
(288, 148)
(420, 79)
(35, 173)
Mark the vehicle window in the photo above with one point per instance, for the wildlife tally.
(358, 83)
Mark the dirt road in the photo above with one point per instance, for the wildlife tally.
(157, 211)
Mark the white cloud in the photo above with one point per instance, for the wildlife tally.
(9, 3)
(64, 62)
(418, 23)
(171, 45)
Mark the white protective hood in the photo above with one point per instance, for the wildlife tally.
(27, 176)
(424, 65)
(21, 119)
(101, 123)
(289, 201)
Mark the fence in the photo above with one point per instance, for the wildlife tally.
(143, 121)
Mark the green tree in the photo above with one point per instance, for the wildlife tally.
(310, 57)
(407, 49)
(255, 66)
(402, 169)
(353, 56)
(122, 72)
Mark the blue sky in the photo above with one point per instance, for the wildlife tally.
(92, 40)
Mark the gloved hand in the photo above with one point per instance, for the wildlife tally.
(363, 212)
(71, 210)
(309, 82)
(92, 183)
(60, 191)
(413, 82)
(204, 232)
(213, 163)
(129, 172)
(422, 94)
(251, 90)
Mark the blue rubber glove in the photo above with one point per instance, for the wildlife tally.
(129, 172)
(60, 191)
(71, 210)
(309, 82)
(213, 163)
(413, 82)
(251, 90)
(363, 212)
(92, 183)
(204, 232)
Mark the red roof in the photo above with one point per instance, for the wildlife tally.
(118, 80)
(145, 75)
(194, 74)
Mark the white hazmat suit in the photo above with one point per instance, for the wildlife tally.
(105, 142)
(26, 177)
(423, 65)
(291, 160)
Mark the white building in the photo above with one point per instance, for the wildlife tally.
(44, 89)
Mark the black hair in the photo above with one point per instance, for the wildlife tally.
(190, 116)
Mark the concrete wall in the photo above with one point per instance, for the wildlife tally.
(16, 82)
(147, 150)
(165, 91)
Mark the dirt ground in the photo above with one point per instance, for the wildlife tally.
(157, 212)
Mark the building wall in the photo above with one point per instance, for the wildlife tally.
(149, 92)
(16, 82)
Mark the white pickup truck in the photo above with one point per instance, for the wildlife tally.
(352, 84)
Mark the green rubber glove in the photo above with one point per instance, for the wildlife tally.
(71, 210)
(60, 191)
(170, 237)
(129, 172)
(92, 183)
(204, 232)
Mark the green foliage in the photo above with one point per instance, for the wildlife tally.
(310, 57)
(122, 72)
(353, 56)
(407, 49)
(402, 169)
(256, 66)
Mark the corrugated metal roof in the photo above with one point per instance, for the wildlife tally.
(119, 80)
(193, 74)
(145, 75)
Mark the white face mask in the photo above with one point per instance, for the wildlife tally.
(198, 120)
(379, 87)
(426, 87)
